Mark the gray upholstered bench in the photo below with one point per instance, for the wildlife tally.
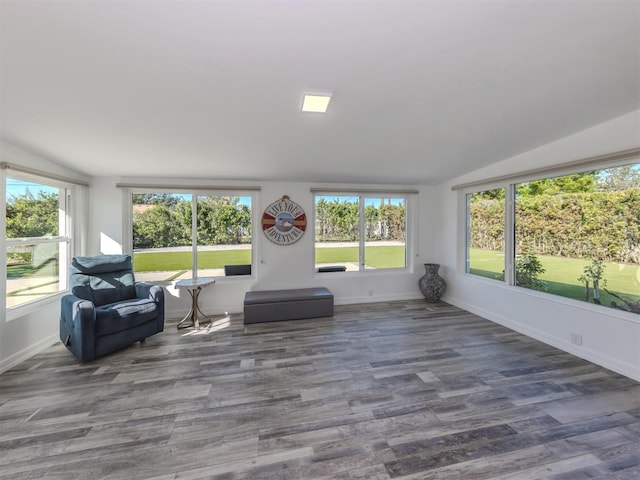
(275, 305)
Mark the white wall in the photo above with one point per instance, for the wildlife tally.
(276, 266)
(36, 328)
(611, 338)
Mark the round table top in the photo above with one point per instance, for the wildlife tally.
(192, 283)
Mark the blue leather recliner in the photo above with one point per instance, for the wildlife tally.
(107, 309)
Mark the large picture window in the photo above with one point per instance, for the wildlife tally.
(575, 235)
(360, 232)
(167, 243)
(37, 232)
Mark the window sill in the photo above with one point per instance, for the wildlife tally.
(368, 271)
(564, 301)
(34, 306)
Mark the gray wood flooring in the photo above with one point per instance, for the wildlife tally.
(405, 390)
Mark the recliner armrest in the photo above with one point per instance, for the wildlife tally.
(77, 326)
(149, 290)
(155, 293)
(78, 310)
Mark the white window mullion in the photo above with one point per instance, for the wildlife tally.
(194, 237)
(36, 240)
(467, 231)
(510, 235)
(361, 232)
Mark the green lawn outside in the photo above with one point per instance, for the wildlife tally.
(162, 261)
(562, 275)
(337, 255)
(388, 256)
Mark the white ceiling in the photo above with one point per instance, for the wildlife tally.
(423, 91)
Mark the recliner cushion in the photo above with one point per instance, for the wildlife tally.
(103, 279)
(101, 264)
(104, 288)
(119, 316)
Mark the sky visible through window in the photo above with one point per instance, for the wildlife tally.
(16, 188)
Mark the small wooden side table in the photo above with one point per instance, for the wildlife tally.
(194, 286)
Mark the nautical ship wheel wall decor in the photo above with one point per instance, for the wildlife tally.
(284, 221)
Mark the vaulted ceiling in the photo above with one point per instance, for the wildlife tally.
(423, 91)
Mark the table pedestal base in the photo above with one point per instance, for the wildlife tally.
(191, 319)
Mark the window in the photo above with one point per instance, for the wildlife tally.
(360, 232)
(38, 238)
(485, 233)
(574, 235)
(167, 243)
(224, 232)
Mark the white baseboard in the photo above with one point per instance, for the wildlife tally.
(236, 309)
(177, 314)
(374, 299)
(30, 351)
(623, 368)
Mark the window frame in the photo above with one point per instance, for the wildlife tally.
(65, 240)
(409, 197)
(509, 183)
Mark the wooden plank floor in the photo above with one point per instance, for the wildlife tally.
(404, 390)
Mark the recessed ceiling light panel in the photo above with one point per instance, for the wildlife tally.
(315, 102)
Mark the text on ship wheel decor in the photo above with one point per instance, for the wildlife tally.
(284, 221)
